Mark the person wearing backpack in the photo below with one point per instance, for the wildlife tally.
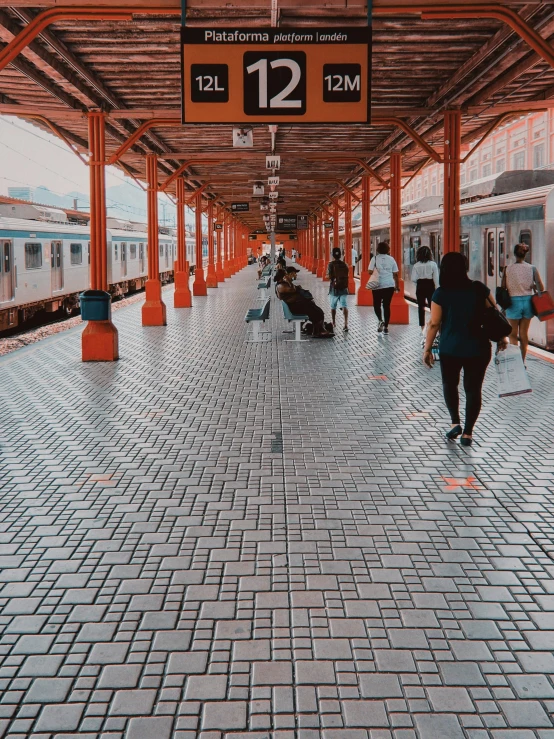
(337, 271)
(384, 286)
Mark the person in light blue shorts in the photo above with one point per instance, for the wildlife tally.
(521, 279)
(337, 271)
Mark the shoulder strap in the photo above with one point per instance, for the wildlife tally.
(503, 283)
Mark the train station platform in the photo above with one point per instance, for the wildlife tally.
(228, 540)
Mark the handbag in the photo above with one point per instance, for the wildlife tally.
(491, 323)
(373, 283)
(502, 295)
(543, 306)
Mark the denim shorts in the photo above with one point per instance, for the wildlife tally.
(520, 308)
(338, 300)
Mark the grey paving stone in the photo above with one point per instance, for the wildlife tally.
(525, 714)
(450, 700)
(365, 713)
(108, 653)
(188, 663)
(206, 687)
(313, 672)
(226, 715)
(61, 717)
(49, 690)
(159, 727)
(394, 660)
(461, 673)
(532, 686)
(438, 727)
(380, 686)
(41, 666)
(120, 676)
(272, 673)
(132, 702)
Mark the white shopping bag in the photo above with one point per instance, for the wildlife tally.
(511, 373)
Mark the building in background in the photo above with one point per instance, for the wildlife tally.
(526, 143)
(22, 193)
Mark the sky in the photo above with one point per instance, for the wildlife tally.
(33, 157)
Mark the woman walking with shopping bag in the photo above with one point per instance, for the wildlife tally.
(383, 281)
(461, 309)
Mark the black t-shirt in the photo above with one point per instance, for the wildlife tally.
(460, 309)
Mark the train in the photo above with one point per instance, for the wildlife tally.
(497, 212)
(45, 260)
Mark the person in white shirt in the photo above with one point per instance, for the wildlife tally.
(354, 259)
(425, 274)
(388, 282)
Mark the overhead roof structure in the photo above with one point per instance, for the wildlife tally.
(491, 60)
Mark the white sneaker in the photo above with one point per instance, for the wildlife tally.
(380, 327)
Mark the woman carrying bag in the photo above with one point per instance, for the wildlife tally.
(468, 319)
(521, 280)
(383, 284)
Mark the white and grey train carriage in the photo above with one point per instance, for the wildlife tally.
(499, 212)
(44, 264)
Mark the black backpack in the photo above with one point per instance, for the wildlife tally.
(340, 275)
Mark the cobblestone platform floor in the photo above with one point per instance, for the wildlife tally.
(225, 540)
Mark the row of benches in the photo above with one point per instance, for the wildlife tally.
(258, 316)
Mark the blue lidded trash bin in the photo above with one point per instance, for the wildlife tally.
(96, 305)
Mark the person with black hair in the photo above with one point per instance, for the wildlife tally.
(387, 270)
(520, 279)
(456, 308)
(337, 271)
(425, 274)
(299, 304)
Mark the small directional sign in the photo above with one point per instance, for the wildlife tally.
(273, 181)
(218, 226)
(301, 223)
(286, 222)
(327, 224)
(240, 207)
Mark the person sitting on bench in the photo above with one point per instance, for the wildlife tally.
(298, 304)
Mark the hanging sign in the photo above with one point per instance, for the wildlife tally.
(273, 181)
(301, 223)
(218, 226)
(286, 222)
(327, 224)
(240, 207)
(268, 72)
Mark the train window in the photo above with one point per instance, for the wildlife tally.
(89, 252)
(76, 253)
(132, 251)
(161, 250)
(33, 256)
(525, 237)
(464, 245)
(415, 243)
(490, 253)
(6, 258)
(501, 252)
(115, 252)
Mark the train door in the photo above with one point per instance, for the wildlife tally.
(495, 256)
(123, 259)
(435, 244)
(56, 265)
(167, 256)
(141, 257)
(6, 272)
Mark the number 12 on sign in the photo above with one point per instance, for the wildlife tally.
(274, 82)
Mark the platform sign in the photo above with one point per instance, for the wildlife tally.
(276, 75)
(286, 223)
(218, 226)
(240, 207)
(327, 224)
(301, 223)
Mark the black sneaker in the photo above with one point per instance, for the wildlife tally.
(385, 330)
(380, 327)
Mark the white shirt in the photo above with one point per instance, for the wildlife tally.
(386, 266)
(426, 271)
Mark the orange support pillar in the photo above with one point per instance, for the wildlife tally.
(153, 310)
(219, 269)
(336, 227)
(320, 247)
(365, 296)
(211, 277)
(182, 297)
(227, 249)
(199, 286)
(313, 246)
(400, 312)
(348, 241)
(326, 252)
(99, 340)
(452, 156)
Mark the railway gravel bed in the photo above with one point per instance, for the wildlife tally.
(13, 343)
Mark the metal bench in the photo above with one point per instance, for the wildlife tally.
(264, 286)
(296, 319)
(255, 316)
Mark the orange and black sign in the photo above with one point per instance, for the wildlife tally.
(270, 75)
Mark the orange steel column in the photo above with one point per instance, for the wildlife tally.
(348, 241)
(336, 227)
(227, 249)
(199, 286)
(153, 310)
(313, 234)
(326, 252)
(181, 297)
(211, 277)
(219, 270)
(99, 340)
(452, 156)
(399, 308)
(365, 296)
(321, 248)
